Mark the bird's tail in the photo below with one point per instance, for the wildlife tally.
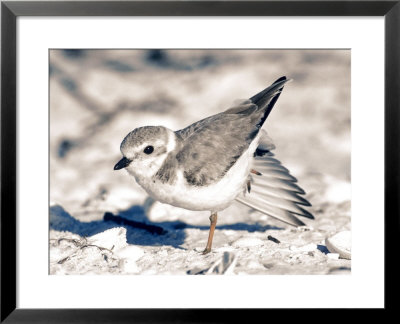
(266, 99)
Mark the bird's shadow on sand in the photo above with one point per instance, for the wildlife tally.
(140, 230)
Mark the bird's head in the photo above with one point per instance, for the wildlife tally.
(145, 149)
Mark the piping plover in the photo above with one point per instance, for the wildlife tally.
(216, 160)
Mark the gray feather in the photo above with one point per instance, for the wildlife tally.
(275, 192)
(230, 132)
(273, 211)
(281, 193)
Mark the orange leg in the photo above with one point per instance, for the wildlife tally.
(213, 223)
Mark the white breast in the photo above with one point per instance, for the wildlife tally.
(213, 197)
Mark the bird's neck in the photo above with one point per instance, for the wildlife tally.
(157, 167)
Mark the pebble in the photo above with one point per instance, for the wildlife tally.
(273, 239)
(248, 242)
(340, 243)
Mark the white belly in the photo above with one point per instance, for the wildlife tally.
(214, 197)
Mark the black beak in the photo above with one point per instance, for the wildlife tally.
(123, 163)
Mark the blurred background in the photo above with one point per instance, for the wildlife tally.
(98, 96)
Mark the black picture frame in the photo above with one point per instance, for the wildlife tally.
(10, 10)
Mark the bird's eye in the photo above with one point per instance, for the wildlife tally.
(149, 149)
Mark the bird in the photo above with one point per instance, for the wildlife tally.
(214, 161)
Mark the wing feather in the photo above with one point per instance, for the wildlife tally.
(280, 193)
(211, 146)
(275, 191)
(279, 183)
(276, 212)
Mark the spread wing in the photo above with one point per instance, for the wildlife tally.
(212, 145)
(273, 191)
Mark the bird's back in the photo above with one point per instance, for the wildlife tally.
(212, 146)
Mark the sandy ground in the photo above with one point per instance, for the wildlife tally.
(102, 222)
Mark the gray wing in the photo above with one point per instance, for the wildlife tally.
(212, 145)
(274, 191)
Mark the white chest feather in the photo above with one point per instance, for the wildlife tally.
(214, 197)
